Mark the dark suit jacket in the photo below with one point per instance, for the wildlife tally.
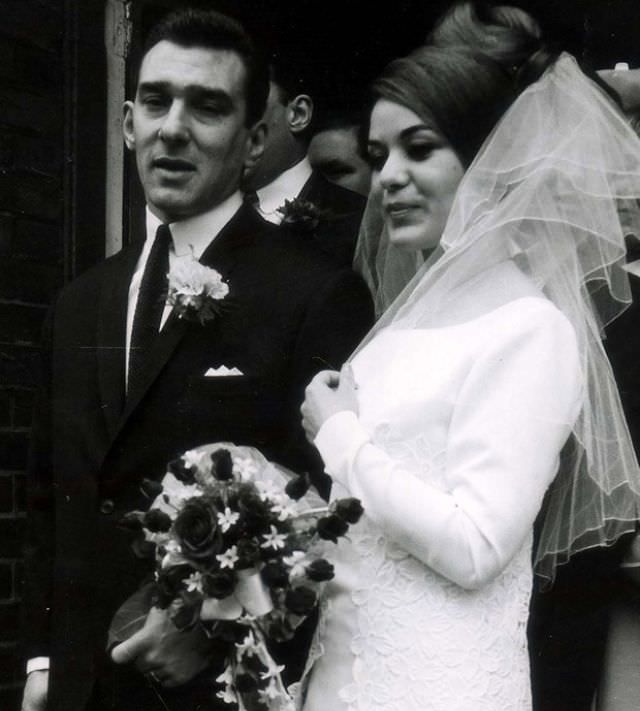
(337, 231)
(290, 312)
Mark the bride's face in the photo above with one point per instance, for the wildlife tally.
(417, 172)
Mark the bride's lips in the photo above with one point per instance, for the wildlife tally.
(399, 210)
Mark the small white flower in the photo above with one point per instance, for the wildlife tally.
(193, 458)
(227, 676)
(228, 695)
(194, 582)
(229, 558)
(274, 539)
(267, 490)
(248, 646)
(297, 562)
(227, 519)
(272, 672)
(245, 467)
(270, 693)
(285, 508)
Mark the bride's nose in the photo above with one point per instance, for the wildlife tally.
(394, 173)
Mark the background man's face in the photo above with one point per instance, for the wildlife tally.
(279, 142)
(334, 153)
(187, 127)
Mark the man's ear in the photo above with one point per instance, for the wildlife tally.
(256, 142)
(127, 125)
(299, 113)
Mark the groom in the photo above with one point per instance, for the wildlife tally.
(130, 385)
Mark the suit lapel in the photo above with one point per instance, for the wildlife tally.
(221, 254)
(111, 334)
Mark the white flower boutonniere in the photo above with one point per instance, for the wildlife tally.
(196, 291)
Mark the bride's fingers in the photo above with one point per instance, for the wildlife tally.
(325, 378)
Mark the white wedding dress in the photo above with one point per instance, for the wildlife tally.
(457, 438)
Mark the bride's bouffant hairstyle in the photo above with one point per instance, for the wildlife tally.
(472, 67)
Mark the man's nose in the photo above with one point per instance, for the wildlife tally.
(175, 124)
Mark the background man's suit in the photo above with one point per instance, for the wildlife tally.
(569, 623)
(290, 313)
(337, 231)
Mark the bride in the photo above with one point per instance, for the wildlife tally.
(484, 388)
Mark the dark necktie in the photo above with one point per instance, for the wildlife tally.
(252, 199)
(151, 300)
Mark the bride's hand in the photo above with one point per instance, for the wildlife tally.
(328, 393)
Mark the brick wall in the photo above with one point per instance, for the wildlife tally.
(31, 269)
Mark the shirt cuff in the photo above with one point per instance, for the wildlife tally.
(339, 440)
(37, 664)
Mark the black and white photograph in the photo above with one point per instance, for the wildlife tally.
(319, 370)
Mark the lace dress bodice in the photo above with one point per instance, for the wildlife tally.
(457, 438)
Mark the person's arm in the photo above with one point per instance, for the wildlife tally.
(38, 551)
(511, 419)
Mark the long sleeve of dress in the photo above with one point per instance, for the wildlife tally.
(511, 417)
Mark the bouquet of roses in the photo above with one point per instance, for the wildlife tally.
(238, 546)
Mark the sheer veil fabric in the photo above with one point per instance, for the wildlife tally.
(553, 192)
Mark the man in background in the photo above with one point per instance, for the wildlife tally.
(335, 152)
(285, 174)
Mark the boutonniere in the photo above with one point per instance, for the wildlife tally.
(196, 291)
(301, 215)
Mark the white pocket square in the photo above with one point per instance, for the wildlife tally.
(222, 371)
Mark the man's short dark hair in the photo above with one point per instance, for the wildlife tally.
(213, 30)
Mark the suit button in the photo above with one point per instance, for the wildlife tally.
(107, 506)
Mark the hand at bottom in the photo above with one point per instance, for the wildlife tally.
(34, 697)
(169, 656)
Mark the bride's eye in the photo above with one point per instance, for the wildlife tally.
(420, 150)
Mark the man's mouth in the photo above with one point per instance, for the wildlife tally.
(173, 165)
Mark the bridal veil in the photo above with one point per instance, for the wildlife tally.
(554, 190)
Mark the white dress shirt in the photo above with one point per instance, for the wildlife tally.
(286, 186)
(190, 236)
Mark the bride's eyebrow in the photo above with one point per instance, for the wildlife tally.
(411, 130)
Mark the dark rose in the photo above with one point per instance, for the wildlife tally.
(169, 583)
(222, 465)
(320, 570)
(332, 527)
(150, 488)
(349, 509)
(300, 215)
(298, 487)
(132, 522)
(275, 575)
(219, 584)
(256, 515)
(157, 521)
(248, 553)
(181, 471)
(300, 600)
(196, 528)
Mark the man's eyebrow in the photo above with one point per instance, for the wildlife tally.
(194, 89)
